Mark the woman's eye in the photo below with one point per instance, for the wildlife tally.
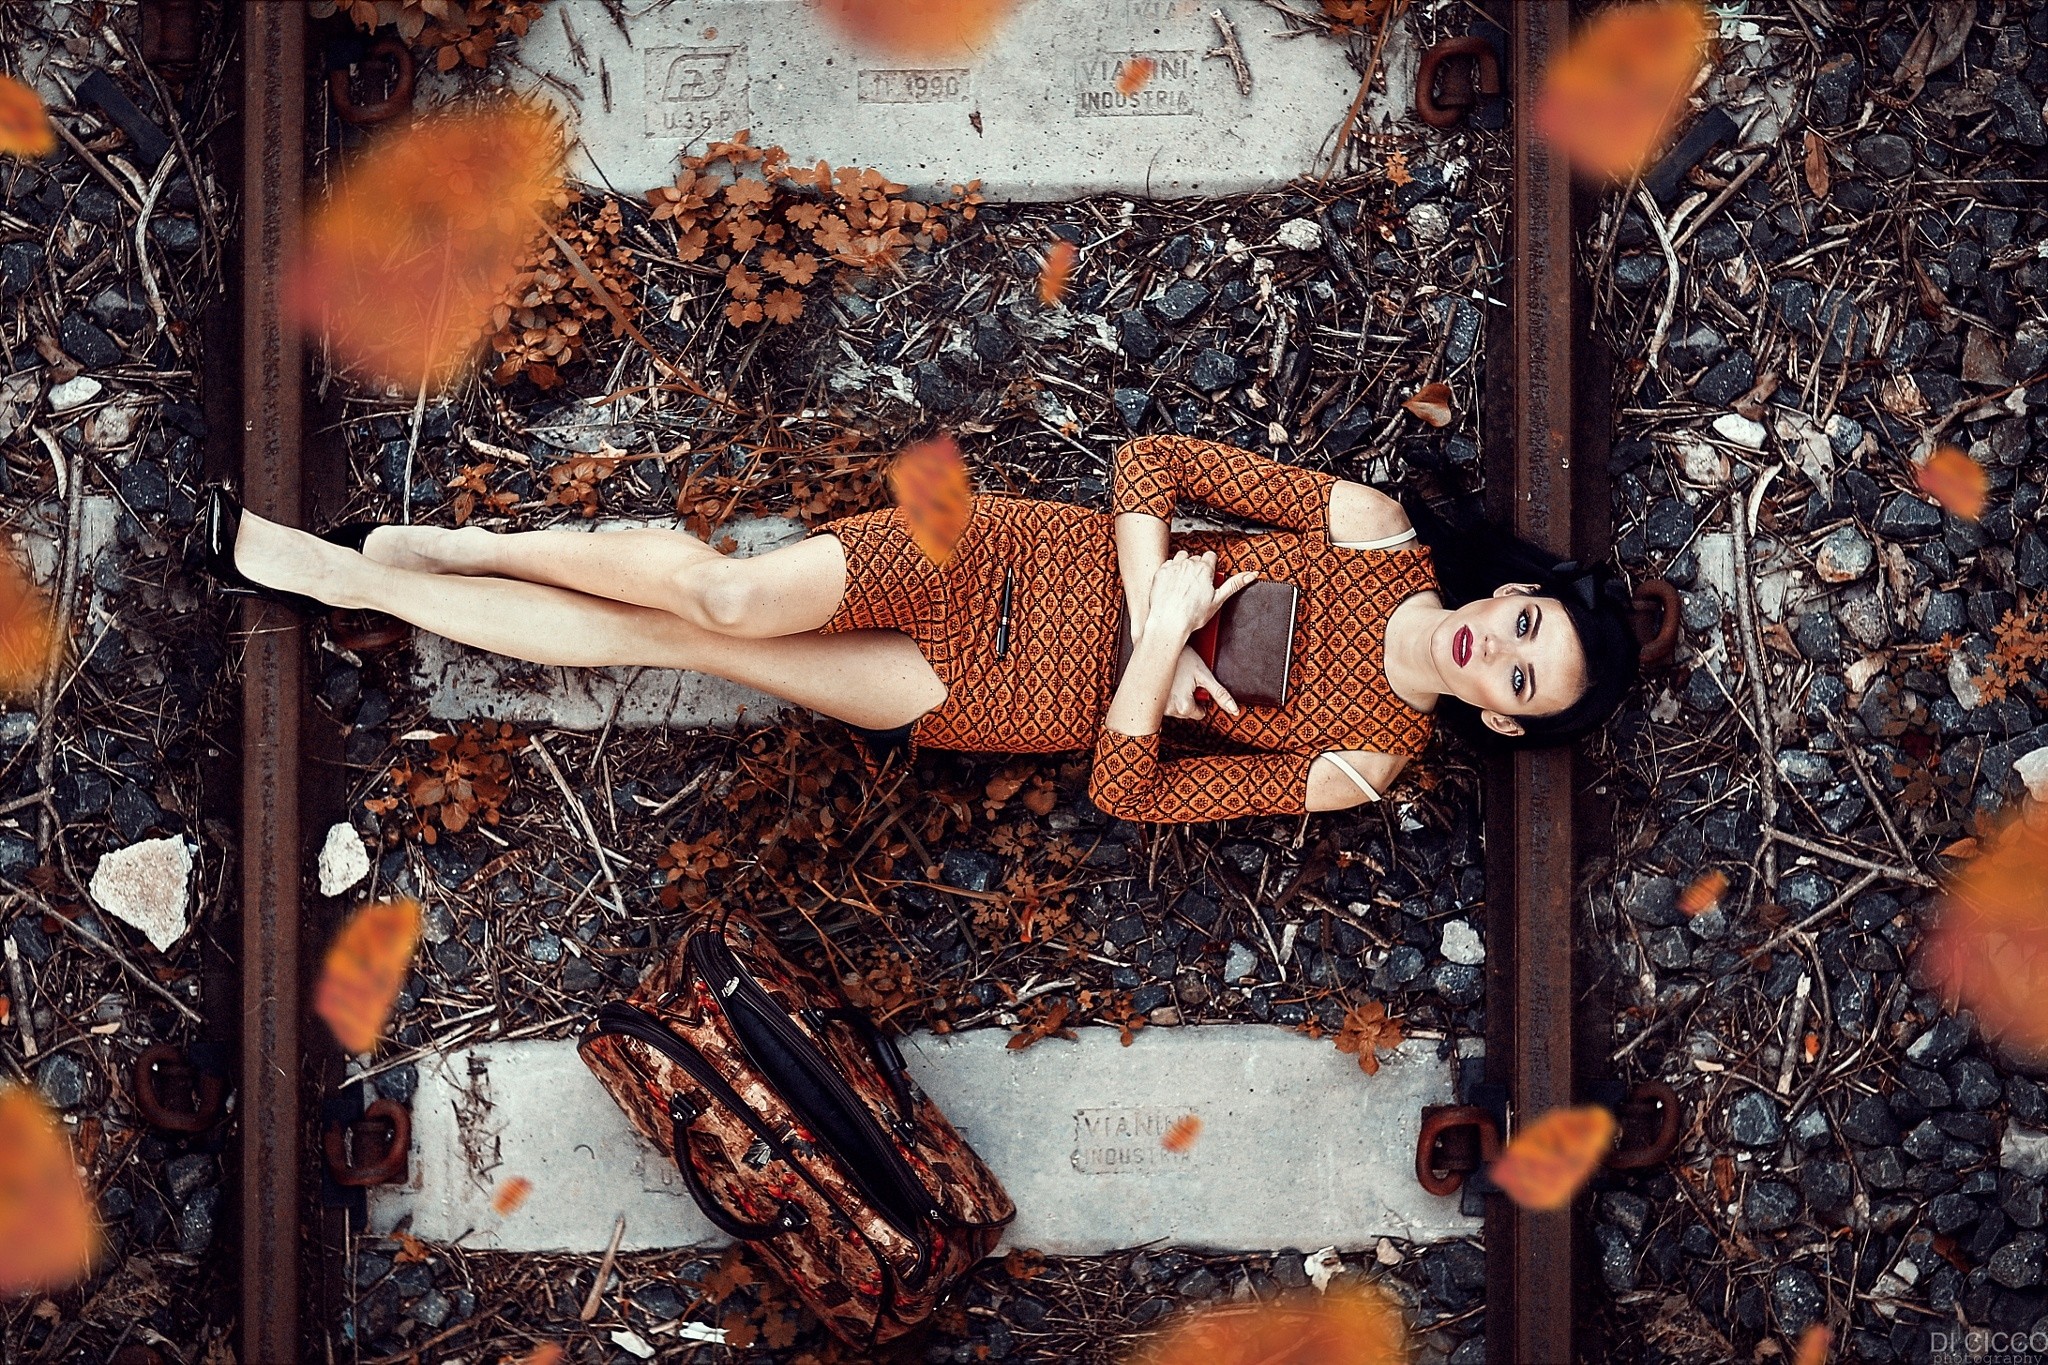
(1521, 626)
(1516, 677)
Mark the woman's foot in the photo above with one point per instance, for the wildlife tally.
(291, 564)
(431, 549)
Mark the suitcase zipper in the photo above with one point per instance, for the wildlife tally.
(615, 1017)
(730, 981)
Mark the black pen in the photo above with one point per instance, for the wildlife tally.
(1003, 616)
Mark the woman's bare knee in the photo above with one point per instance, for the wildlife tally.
(718, 595)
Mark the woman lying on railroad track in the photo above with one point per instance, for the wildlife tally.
(1013, 647)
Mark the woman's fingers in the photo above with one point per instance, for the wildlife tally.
(1236, 584)
(1205, 681)
(1229, 588)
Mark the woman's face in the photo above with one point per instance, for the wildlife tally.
(1511, 654)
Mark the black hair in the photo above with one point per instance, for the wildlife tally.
(1473, 557)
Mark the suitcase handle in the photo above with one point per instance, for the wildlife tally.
(889, 1058)
(681, 1115)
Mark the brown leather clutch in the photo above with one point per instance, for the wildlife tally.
(1248, 645)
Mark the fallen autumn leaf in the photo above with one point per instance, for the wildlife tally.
(365, 969)
(47, 1232)
(929, 481)
(1550, 1159)
(1432, 403)
(1609, 99)
(1955, 481)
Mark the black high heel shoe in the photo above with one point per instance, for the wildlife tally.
(220, 522)
(352, 535)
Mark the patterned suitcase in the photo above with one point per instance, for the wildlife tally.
(796, 1129)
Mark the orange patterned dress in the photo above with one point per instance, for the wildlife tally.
(1051, 690)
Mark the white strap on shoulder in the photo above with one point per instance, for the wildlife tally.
(1371, 793)
(1384, 543)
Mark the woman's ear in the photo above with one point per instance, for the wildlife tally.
(1516, 590)
(1500, 724)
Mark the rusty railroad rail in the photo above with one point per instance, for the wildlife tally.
(1546, 477)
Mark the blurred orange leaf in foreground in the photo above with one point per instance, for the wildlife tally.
(547, 1353)
(1991, 947)
(24, 124)
(1136, 72)
(1357, 1326)
(1955, 481)
(1059, 264)
(1549, 1159)
(1611, 96)
(918, 28)
(365, 969)
(47, 1233)
(422, 234)
(510, 1194)
(1813, 1345)
(1704, 894)
(1181, 1134)
(26, 630)
(929, 481)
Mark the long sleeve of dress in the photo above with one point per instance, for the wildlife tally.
(1153, 473)
(1132, 782)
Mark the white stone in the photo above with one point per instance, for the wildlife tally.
(114, 425)
(2032, 767)
(1701, 461)
(1430, 222)
(1299, 234)
(627, 1339)
(2024, 1151)
(1241, 964)
(147, 887)
(18, 399)
(1774, 572)
(1035, 114)
(1808, 446)
(1322, 1267)
(39, 537)
(1735, 427)
(1461, 943)
(1296, 1148)
(343, 860)
(1967, 693)
(73, 392)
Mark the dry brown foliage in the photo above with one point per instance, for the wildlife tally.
(2019, 647)
(1366, 1031)
(772, 226)
(465, 777)
(539, 324)
(456, 32)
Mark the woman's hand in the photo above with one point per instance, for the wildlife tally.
(1193, 687)
(1185, 594)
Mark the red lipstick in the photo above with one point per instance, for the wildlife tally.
(1461, 646)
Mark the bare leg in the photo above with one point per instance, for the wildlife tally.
(784, 592)
(638, 564)
(875, 678)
